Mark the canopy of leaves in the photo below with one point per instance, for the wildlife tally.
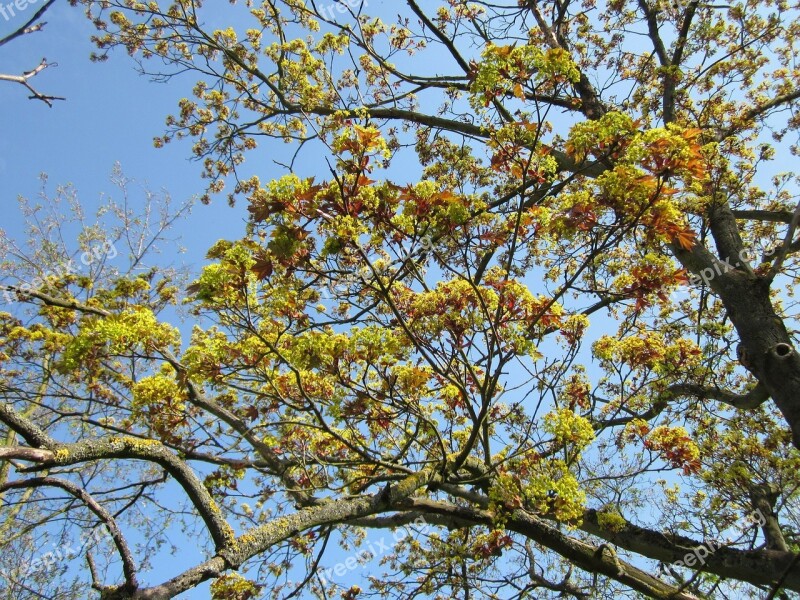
(540, 299)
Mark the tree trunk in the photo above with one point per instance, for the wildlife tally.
(767, 350)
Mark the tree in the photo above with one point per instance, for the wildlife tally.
(564, 351)
(43, 533)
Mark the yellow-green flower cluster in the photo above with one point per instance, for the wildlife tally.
(569, 427)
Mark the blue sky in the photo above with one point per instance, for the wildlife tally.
(111, 114)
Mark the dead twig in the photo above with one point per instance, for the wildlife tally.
(23, 79)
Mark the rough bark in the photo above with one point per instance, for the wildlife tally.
(759, 567)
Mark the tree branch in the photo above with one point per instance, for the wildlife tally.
(752, 399)
(589, 558)
(128, 564)
(29, 27)
(770, 216)
(261, 538)
(758, 111)
(23, 80)
(784, 249)
(122, 447)
(759, 567)
(591, 105)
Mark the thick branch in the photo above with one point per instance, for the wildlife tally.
(764, 498)
(770, 216)
(153, 451)
(725, 231)
(32, 434)
(27, 454)
(752, 399)
(590, 558)
(759, 567)
(698, 261)
(123, 447)
(262, 538)
(58, 302)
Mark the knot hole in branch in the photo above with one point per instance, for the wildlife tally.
(781, 351)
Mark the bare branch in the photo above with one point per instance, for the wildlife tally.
(27, 454)
(123, 447)
(23, 79)
(770, 216)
